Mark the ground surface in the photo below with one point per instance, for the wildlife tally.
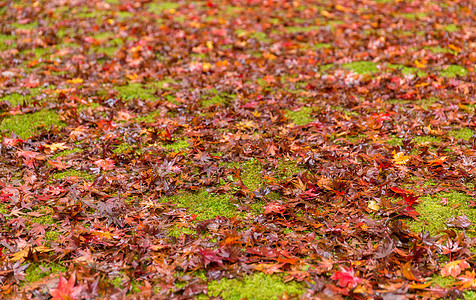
(237, 149)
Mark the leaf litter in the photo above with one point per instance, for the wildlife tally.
(166, 148)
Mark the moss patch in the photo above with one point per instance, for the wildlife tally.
(256, 286)
(300, 117)
(451, 28)
(72, 172)
(35, 273)
(433, 215)
(394, 141)
(135, 90)
(413, 16)
(426, 139)
(179, 231)
(300, 29)
(453, 71)
(444, 282)
(407, 70)
(361, 67)
(159, 7)
(65, 153)
(203, 204)
(177, 145)
(462, 134)
(28, 125)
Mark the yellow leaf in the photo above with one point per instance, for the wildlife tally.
(256, 114)
(75, 80)
(207, 67)
(400, 158)
(23, 253)
(245, 125)
(209, 45)
(373, 205)
(420, 65)
(56, 146)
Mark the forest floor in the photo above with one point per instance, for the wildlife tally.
(237, 149)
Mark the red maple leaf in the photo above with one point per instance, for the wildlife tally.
(105, 164)
(210, 256)
(410, 199)
(30, 157)
(346, 278)
(66, 289)
(274, 208)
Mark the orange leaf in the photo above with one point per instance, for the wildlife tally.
(407, 272)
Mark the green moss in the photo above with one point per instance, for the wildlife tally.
(16, 98)
(135, 90)
(177, 145)
(439, 49)
(451, 28)
(469, 295)
(67, 152)
(217, 100)
(300, 117)
(127, 148)
(407, 70)
(158, 7)
(203, 204)
(4, 210)
(256, 286)
(433, 215)
(413, 16)
(453, 71)
(361, 67)
(356, 138)
(462, 134)
(109, 51)
(34, 272)
(179, 231)
(394, 141)
(73, 172)
(28, 26)
(426, 139)
(6, 42)
(325, 68)
(28, 125)
(52, 235)
(301, 29)
(321, 45)
(45, 220)
(251, 174)
(444, 282)
(289, 168)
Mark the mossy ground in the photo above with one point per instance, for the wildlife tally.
(208, 205)
(26, 125)
(434, 214)
(72, 172)
(301, 116)
(257, 286)
(36, 271)
(361, 67)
